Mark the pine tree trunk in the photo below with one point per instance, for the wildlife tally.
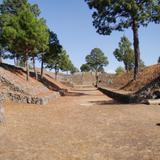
(27, 68)
(42, 68)
(56, 72)
(126, 67)
(136, 48)
(17, 61)
(1, 61)
(34, 67)
(96, 79)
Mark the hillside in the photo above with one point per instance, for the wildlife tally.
(13, 86)
(126, 82)
(146, 76)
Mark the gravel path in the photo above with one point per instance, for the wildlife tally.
(84, 126)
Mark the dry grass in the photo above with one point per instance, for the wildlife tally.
(86, 127)
(127, 83)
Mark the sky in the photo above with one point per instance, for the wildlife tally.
(71, 20)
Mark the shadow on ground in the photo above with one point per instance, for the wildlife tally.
(85, 90)
(103, 102)
(108, 102)
(75, 94)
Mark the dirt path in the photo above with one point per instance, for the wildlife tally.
(84, 126)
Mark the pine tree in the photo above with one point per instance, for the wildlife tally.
(96, 61)
(23, 32)
(125, 53)
(112, 15)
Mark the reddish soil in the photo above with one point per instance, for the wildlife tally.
(127, 83)
(17, 76)
(84, 126)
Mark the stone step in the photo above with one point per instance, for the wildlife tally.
(153, 101)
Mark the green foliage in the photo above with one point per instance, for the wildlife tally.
(125, 53)
(120, 70)
(22, 31)
(1, 53)
(74, 69)
(141, 64)
(65, 63)
(96, 60)
(85, 68)
(22, 62)
(110, 15)
(51, 55)
(14, 6)
(59, 60)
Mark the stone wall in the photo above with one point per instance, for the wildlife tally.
(147, 92)
(10, 85)
(22, 98)
(14, 87)
(124, 98)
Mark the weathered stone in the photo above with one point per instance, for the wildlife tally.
(2, 116)
(150, 91)
(17, 90)
(153, 101)
(39, 100)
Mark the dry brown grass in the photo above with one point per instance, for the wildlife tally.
(127, 83)
(86, 127)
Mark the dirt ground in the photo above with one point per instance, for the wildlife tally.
(83, 126)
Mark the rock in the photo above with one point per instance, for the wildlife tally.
(153, 101)
(2, 117)
(156, 95)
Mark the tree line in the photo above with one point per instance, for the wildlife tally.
(109, 15)
(25, 37)
(96, 60)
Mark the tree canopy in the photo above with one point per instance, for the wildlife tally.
(96, 61)
(85, 68)
(119, 71)
(59, 60)
(125, 53)
(110, 15)
(22, 31)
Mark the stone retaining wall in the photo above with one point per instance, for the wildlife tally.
(15, 94)
(39, 100)
(124, 98)
(14, 87)
(148, 92)
(141, 96)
